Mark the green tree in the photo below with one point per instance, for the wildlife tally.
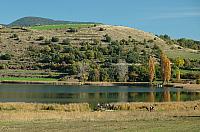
(122, 72)
(104, 75)
(89, 54)
(73, 69)
(94, 75)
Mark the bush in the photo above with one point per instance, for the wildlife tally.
(72, 30)
(101, 29)
(2, 66)
(40, 38)
(108, 38)
(5, 57)
(66, 41)
(54, 39)
(198, 81)
(150, 41)
(190, 76)
(14, 36)
(47, 41)
(17, 38)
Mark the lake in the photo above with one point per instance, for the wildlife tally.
(92, 94)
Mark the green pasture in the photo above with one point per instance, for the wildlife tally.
(62, 26)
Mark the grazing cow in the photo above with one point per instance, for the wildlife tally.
(195, 107)
(151, 108)
(147, 108)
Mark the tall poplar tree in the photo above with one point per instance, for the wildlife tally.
(166, 68)
(151, 69)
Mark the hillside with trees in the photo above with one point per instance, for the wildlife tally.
(92, 53)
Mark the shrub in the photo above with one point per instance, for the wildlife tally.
(17, 38)
(108, 38)
(14, 36)
(96, 42)
(66, 41)
(198, 81)
(54, 39)
(2, 66)
(190, 76)
(150, 41)
(5, 57)
(101, 29)
(72, 30)
(40, 38)
(47, 41)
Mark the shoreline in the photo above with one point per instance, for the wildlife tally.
(77, 83)
(186, 86)
(145, 84)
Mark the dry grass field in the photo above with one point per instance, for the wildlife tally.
(79, 117)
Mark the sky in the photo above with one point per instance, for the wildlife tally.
(177, 18)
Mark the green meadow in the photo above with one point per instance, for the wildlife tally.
(26, 79)
(62, 26)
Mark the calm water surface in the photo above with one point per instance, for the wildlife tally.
(91, 94)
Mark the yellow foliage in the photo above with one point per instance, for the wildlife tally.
(166, 68)
(151, 69)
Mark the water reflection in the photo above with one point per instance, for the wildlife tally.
(178, 96)
(91, 94)
(166, 96)
(151, 97)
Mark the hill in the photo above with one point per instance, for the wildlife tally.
(87, 52)
(32, 21)
(3, 25)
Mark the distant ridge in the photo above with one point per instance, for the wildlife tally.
(3, 24)
(32, 21)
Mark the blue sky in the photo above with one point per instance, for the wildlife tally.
(177, 18)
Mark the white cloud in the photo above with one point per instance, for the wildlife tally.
(175, 13)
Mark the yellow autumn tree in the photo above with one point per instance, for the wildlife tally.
(166, 68)
(179, 63)
(163, 58)
(151, 69)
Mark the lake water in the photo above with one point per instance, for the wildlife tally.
(91, 94)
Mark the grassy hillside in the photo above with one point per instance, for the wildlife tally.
(86, 52)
